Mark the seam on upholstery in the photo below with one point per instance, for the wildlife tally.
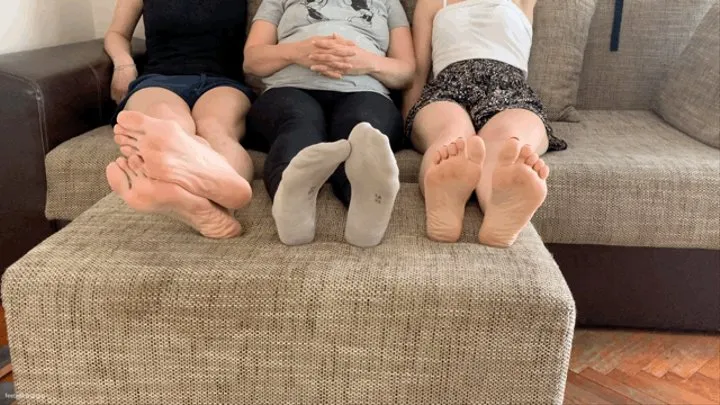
(99, 92)
(40, 99)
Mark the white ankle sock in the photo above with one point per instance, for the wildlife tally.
(374, 178)
(295, 201)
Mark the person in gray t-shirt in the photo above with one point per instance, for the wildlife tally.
(327, 66)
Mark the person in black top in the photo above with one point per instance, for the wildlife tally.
(179, 124)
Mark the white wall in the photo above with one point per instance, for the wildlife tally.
(102, 12)
(30, 24)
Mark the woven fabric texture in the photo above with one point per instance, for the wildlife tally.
(121, 307)
(653, 34)
(690, 100)
(560, 35)
(629, 179)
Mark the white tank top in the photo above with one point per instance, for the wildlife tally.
(481, 29)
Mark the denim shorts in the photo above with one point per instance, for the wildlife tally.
(190, 88)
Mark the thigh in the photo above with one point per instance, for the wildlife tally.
(164, 104)
(222, 110)
(522, 124)
(440, 121)
(287, 113)
(379, 111)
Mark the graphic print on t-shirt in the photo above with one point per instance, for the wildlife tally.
(361, 10)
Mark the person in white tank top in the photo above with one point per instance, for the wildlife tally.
(480, 126)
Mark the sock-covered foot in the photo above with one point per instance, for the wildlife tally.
(449, 183)
(172, 156)
(518, 190)
(294, 205)
(374, 180)
(154, 196)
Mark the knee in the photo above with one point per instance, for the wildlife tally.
(212, 127)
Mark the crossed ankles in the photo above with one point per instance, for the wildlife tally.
(167, 171)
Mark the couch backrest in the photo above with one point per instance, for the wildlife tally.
(653, 34)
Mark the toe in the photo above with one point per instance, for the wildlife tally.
(136, 164)
(128, 151)
(444, 153)
(117, 178)
(476, 149)
(509, 152)
(437, 158)
(461, 145)
(532, 159)
(538, 165)
(125, 166)
(544, 172)
(132, 121)
(525, 152)
(452, 149)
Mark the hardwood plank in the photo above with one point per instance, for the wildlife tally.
(598, 390)
(619, 387)
(660, 365)
(587, 345)
(711, 369)
(611, 355)
(699, 384)
(652, 346)
(575, 395)
(695, 354)
(7, 378)
(660, 389)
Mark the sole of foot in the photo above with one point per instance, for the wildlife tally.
(153, 196)
(374, 177)
(172, 156)
(449, 183)
(128, 144)
(518, 190)
(295, 203)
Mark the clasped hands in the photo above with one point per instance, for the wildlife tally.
(334, 56)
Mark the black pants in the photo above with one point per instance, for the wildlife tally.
(292, 119)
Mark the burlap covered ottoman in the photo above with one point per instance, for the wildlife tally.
(122, 308)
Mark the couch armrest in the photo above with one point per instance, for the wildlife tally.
(55, 94)
(47, 96)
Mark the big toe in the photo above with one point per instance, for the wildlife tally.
(117, 178)
(509, 153)
(476, 149)
(132, 121)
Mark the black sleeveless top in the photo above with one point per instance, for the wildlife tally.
(191, 37)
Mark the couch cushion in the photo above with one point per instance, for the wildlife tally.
(560, 35)
(249, 320)
(75, 172)
(690, 99)
(653, 34)
(628, 178)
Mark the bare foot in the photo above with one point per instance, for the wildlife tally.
(154, 196)
(126, 142)
(518, 190)
(449, 182)
(172, 156)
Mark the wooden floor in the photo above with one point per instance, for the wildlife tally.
(628, 367)
(632, 367)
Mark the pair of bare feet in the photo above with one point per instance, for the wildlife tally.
(518, 190)
(168, 171)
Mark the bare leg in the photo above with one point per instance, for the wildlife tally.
(512, 186)
(451, 166)
(220, 119)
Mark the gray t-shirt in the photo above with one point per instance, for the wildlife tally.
(365, 22)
